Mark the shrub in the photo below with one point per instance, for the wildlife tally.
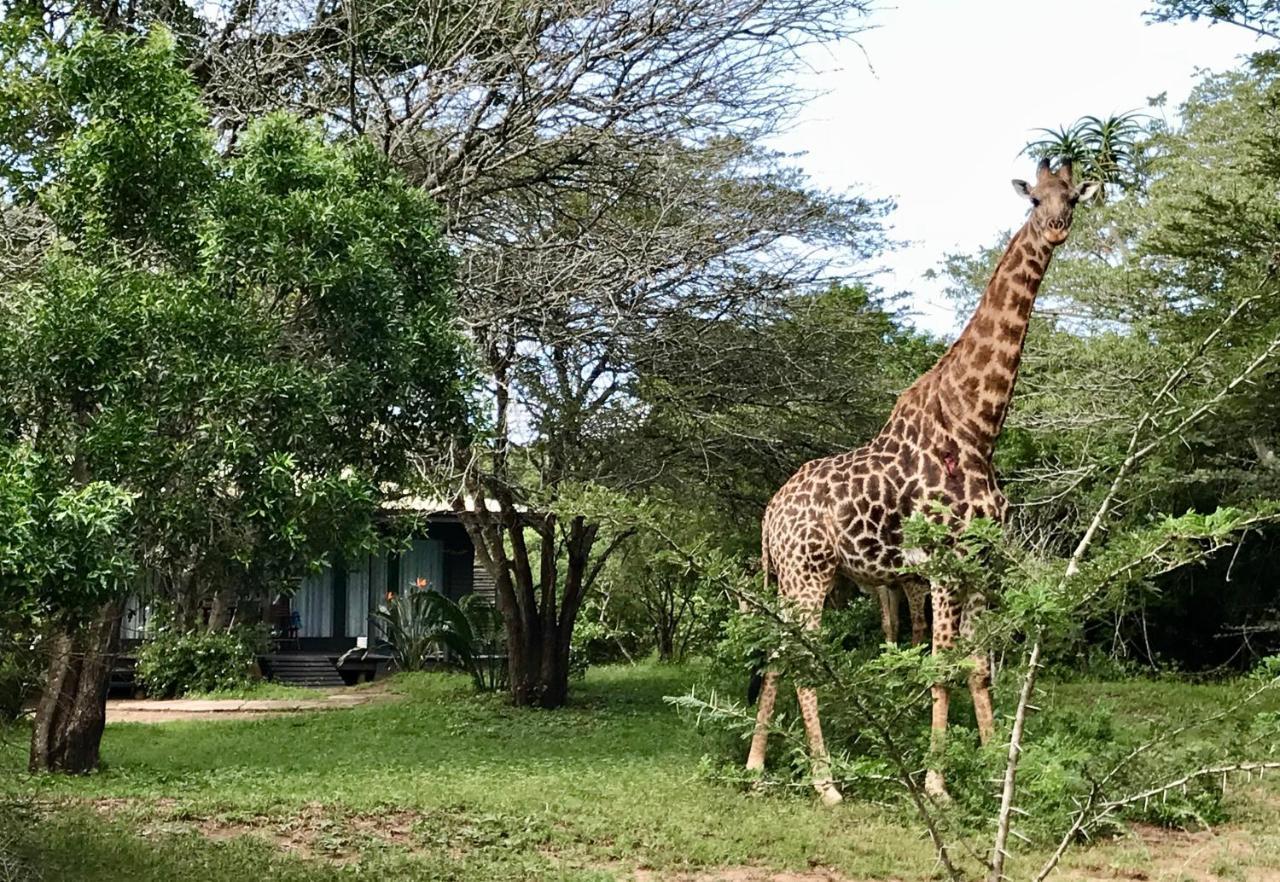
(422, 626)
(489, 643)
(175, 663)
(20, 673)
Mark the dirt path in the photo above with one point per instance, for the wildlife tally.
(135, 711)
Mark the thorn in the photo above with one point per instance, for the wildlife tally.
(1020, 836)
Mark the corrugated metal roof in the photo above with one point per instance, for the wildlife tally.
(430, 505)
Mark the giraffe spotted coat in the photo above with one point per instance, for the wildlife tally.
(843, 515)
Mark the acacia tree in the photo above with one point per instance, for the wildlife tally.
(597, 164)
(244, 350)
(692, 239)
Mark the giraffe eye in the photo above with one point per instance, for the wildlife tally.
(1034, 202)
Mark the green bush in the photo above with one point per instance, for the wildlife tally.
(20, 673)
(175, 663)
(489, 643)
(422, 627)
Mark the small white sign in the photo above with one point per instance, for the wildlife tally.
(362, 642)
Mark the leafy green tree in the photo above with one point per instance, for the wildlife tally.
(1260, 17)
(246, 349)
(598, 167)
(735, 403)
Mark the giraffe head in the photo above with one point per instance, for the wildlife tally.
(1053, 199)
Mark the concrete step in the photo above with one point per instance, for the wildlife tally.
(302, 670)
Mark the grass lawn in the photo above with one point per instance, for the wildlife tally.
(444, 785)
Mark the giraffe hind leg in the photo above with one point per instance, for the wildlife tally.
(821, 760)
(803, 594)
(760, 737)
(917, 594)
(807, 596)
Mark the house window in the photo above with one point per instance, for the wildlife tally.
(425, 561)
(314, 602)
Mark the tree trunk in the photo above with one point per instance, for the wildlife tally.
(666, 643)
(220, 610)
(538, 611)
(72, 711)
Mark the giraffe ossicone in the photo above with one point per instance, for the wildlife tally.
(843, 515)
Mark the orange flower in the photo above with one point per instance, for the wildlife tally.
(421, 583)
(391, 595)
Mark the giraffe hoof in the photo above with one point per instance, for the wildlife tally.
(830, 796)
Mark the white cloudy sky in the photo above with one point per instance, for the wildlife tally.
(978, 77)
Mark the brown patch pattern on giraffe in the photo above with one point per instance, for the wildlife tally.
(842, 515)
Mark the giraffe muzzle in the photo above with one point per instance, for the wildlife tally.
(1056, 232)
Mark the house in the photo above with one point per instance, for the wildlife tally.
(334, 607)
(331, 612)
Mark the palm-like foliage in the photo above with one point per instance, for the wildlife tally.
(1106, 150)
(424, 626)
(488, 664)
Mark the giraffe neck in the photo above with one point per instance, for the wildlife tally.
(973, 382)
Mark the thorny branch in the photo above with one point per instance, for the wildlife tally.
(1134, 455)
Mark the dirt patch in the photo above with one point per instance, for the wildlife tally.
(1158, 854)
(140, 716)
(312, 833)
(741, 874)
(147, 711)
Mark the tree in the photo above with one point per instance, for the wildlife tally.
(735, 402)
(694, 236)
(1260, 17)
(244, 349)
(597, 165)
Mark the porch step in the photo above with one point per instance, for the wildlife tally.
(123, 675)
(302, 670)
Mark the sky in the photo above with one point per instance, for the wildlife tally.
(935, 105)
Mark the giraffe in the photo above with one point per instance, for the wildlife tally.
(843, 514)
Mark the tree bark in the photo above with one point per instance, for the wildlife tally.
(220, 610)
(666, 643)
(72, 711)
(538, 611)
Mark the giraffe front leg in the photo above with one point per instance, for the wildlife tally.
(822, 782)
(946, 616)
(888, 612)
(760, 737)
(980, 676)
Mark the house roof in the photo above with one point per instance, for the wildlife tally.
(427, 505)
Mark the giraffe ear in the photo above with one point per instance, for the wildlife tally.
(1087, 191)
(1022, 188)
